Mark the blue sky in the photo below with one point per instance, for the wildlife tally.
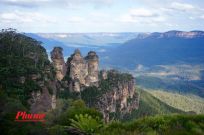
(102, 15)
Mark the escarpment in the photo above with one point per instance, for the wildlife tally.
(29, 76)
(119, 94)
(26, 72)
(115, 90)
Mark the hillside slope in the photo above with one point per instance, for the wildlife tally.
(150, 105)
(168, 84)
(182, 102)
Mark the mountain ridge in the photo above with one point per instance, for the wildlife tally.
(173, 33)
(156, 49)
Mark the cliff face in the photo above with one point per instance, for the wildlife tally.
(80, 71)
(44, 98)
(28, 71)
(28, 75)
(121, 97)
(58, 62)
(93, 69)
(77, 71)
(83, 72)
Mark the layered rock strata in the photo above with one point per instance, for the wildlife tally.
(58, 62)
(82, 71)
(120, 98)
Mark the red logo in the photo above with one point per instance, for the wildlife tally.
(24, 117)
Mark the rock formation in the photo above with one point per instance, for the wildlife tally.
(93, 69)
(104, 74)
(40, 101)
(36, 81)
(82, 72)
(58, 62)
(44, 98)
(77, 71)
(120, 98)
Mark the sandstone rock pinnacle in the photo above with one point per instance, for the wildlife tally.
(82, 71)
(93, 68)
(58, 62)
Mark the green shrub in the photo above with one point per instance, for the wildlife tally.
(77, 107)
(86, 123)
(57, 130)
(158, 125)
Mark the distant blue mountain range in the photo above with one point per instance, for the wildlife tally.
(171, 47)
(126, 50)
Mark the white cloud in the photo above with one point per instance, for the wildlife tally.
(182, 6)
(192, 18)
(25, 17)
(76, 19)
(99, 14)
(142, 12)
(99, 17)
(95, 15)
(202, 17)
(142, 15)
(26, 0)
(128, 18)
(55, 3)
(24, 3)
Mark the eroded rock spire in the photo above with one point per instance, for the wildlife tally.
(58, 62)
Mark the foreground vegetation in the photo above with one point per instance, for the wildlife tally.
(158, 125)
(89, 121)
(73, 117)
(79, 119)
